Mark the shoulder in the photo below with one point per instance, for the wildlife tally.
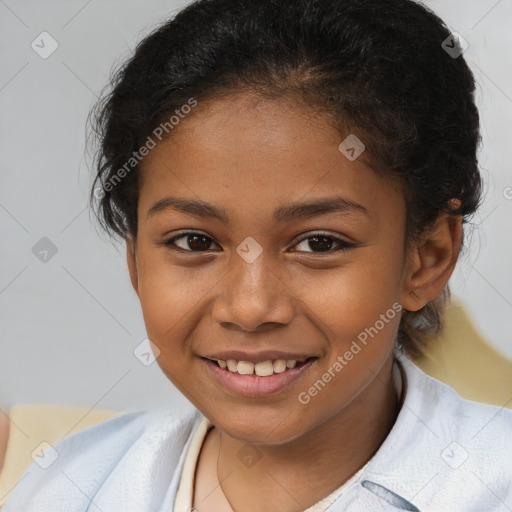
(79, 465)
(445, 409)
(446, 450)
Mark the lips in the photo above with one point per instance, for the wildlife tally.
(253, 379)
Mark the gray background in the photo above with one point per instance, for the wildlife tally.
(69, 325)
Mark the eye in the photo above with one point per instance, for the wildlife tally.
(323, 242)
(193, 241)
(197, 242)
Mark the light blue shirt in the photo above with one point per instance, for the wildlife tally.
(444, 454)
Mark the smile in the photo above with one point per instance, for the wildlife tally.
(257, 379)
(262, 369)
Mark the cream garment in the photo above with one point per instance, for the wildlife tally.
(185, 493)
(186, 487)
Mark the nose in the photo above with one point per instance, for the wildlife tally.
(254, 297)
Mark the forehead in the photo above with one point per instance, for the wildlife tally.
(249, 153)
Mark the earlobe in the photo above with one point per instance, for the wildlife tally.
(432, 262)
(131, 259)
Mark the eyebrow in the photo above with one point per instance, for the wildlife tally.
(285, 213)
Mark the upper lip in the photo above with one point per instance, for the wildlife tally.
(258, 357)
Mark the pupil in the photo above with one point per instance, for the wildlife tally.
(323, 243)
(194, 244)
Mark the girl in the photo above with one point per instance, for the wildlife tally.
(291, 180)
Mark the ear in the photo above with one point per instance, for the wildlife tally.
(131, 258)
(431, 261)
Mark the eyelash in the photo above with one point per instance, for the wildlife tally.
(343, 245)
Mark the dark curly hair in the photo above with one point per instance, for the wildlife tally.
(378, 68)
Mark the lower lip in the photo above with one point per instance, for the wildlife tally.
(254, 386)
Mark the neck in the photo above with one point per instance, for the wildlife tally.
(294, 476)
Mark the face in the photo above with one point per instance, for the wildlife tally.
(273, 246)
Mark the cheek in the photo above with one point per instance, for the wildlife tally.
(357, 307)
(348, 299)
(362, 328)
(168, 296)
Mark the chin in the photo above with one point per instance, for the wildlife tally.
(258, 427)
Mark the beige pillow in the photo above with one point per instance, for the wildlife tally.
(31, 425)
(461, 357)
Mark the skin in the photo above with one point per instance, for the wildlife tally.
(250, 156)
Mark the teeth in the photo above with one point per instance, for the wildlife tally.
(279, 366)
(232, 365)
(261, 369)
(245, 368)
